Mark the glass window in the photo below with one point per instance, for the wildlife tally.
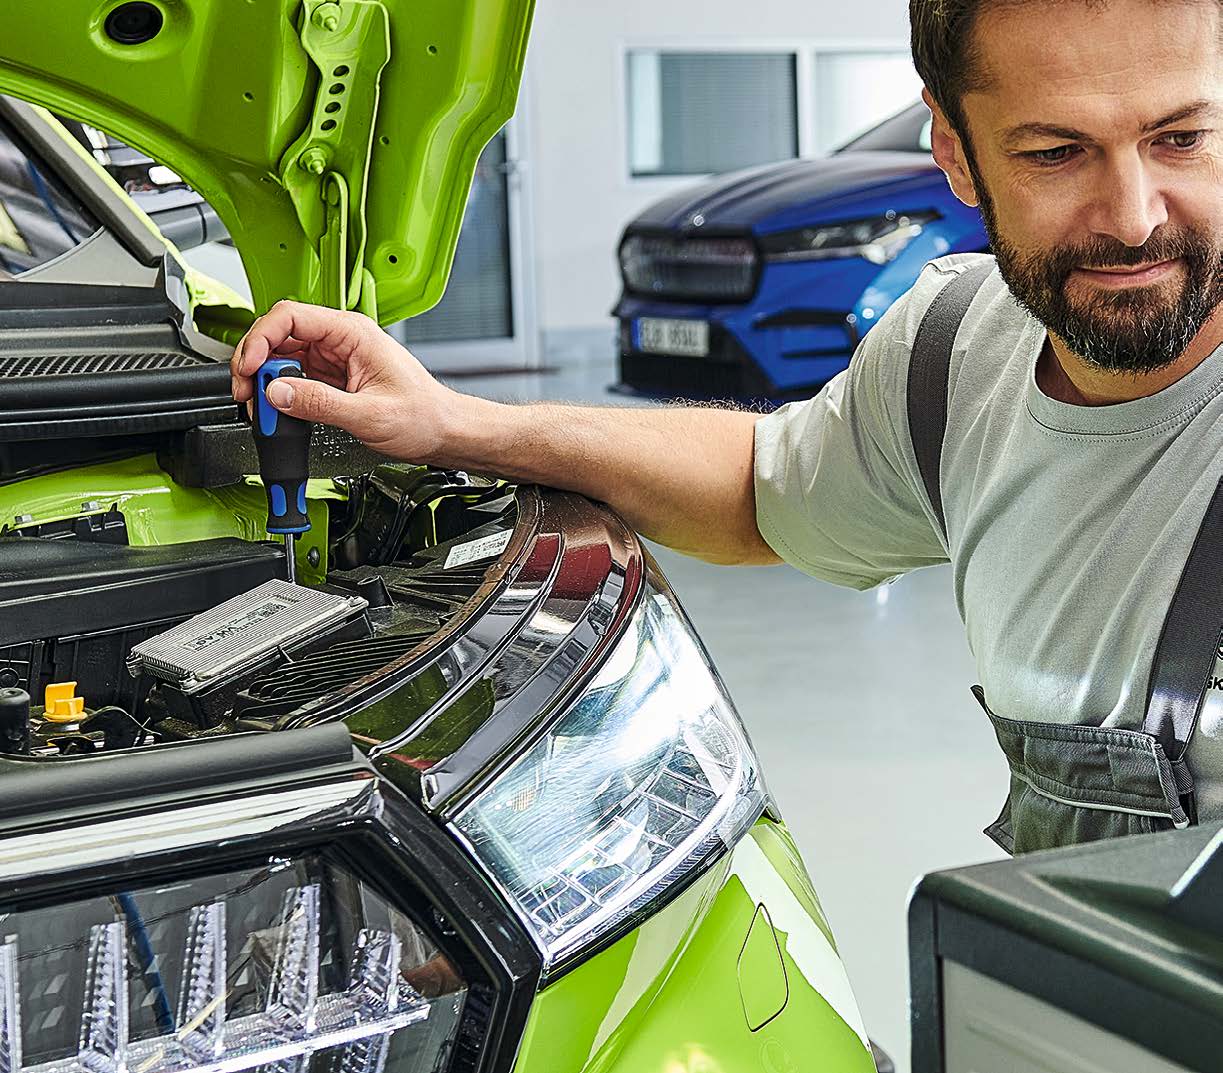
(906, 132)
(39, 220)
(692, 113)
(180, 213)
(478, 299)
(854, 91)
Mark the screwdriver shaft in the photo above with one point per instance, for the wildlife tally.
(290, 559)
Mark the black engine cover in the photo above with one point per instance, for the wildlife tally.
(71, 610)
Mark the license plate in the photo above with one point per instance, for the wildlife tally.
(689, 338)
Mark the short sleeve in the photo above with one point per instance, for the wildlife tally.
(838, 491)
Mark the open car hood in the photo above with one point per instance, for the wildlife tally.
(336, 139)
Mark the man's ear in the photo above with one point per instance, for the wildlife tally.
(950, 155)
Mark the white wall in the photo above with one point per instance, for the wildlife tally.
(577, 164)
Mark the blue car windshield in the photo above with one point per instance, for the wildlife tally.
(906, 132)
(39, 219)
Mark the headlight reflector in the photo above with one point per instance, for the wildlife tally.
(645, 778)
(879, 239)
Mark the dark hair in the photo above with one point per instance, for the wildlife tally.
(943, 51)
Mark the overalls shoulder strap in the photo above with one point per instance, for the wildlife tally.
(1184, 661)
(929, 367)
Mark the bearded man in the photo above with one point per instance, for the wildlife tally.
(1049, 422)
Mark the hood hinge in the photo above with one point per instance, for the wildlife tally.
(326, 170)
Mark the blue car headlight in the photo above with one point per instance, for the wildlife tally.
(879, 239)
(640, 783)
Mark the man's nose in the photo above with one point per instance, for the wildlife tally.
(1128, 204)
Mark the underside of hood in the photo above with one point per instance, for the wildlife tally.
(336, 139)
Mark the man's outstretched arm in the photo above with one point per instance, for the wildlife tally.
(682, 476)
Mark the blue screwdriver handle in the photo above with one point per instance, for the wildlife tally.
(283, 445)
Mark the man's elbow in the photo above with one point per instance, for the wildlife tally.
(749, 551)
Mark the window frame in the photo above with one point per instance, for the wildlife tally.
(806, 52)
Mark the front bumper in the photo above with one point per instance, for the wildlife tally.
(739, 971)
(798, 331)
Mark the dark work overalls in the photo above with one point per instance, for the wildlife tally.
(1079, 783)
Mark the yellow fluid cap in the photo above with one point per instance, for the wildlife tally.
(62, 704)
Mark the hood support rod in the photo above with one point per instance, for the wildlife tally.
(326, 170)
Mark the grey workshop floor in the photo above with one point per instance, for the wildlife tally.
(858, 705)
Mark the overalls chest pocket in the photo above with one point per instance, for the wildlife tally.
(1072, 784)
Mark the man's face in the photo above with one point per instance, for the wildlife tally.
(1096, 154)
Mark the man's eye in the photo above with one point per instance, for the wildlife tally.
(1057, 155)
(1185, 139)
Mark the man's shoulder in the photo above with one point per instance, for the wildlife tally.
(993, 312)
(931, 282)
(890, 343)
(995, 321)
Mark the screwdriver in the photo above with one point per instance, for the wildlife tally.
(283, 444)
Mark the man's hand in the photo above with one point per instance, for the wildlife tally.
(359, 378)
(680, 476)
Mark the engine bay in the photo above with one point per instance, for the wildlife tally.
(111, 639)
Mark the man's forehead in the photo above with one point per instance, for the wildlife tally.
(1096, 67)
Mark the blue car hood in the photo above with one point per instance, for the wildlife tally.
(801, 192)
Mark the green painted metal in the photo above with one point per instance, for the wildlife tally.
(776, 844)
(763, 987)
(666, 997)
(158, 511)
(326, 170)
(226, 88)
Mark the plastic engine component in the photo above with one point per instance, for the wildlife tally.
(222, 642)
(296, 684)
(14, 720)
(209, 707)
(60, 588)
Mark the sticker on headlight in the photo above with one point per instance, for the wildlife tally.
(474, 550)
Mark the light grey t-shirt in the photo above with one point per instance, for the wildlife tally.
(1068, 526)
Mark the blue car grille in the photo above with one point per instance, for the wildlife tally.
(706, 269)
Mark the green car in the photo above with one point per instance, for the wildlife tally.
(469, 795)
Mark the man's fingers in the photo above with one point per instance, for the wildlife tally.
(314, 401)
(303, 324)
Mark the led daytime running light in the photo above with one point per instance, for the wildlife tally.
(296, 1022)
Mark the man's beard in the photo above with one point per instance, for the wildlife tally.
(1136, 330)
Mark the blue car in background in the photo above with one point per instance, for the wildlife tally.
(759, 284)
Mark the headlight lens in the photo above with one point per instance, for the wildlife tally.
(879, 239)
(645, 778)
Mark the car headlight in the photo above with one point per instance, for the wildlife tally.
(641, 782)
(879, 239)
